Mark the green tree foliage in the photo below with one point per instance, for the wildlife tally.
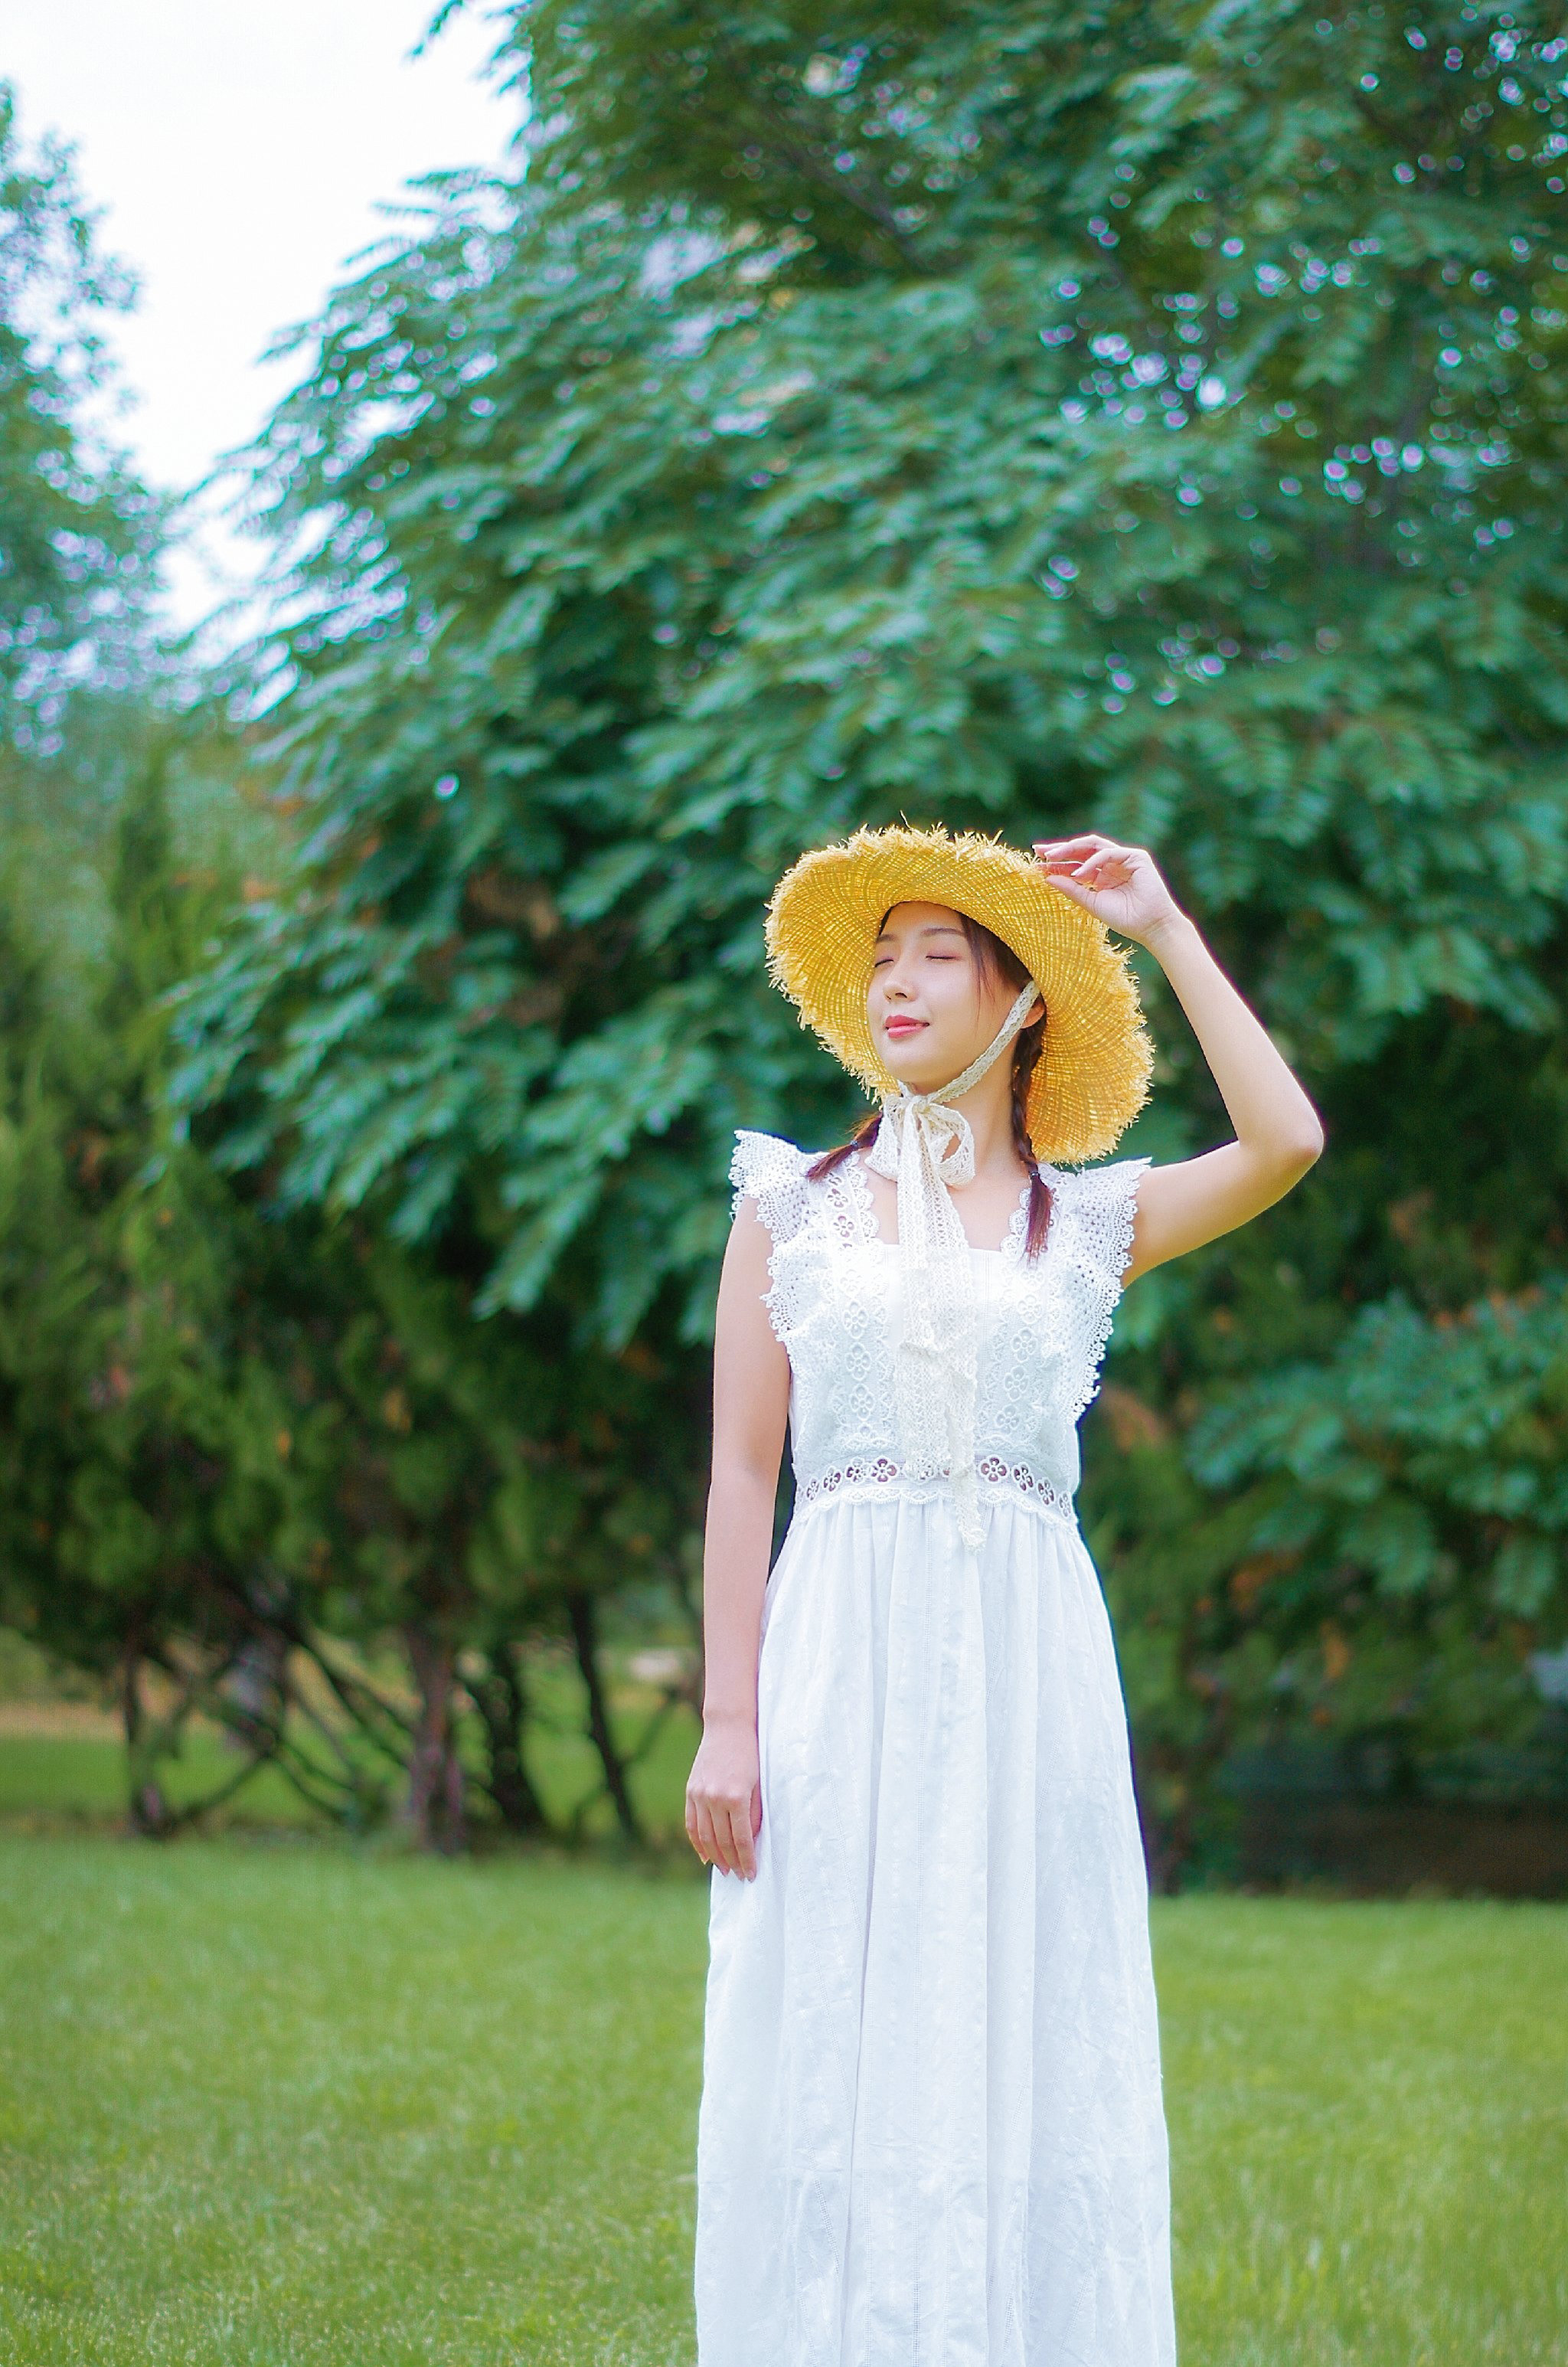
(240, 1455)
(108, 1551)
(77, 533)
(231, 1447)
(1119, 415)
(220, 1436)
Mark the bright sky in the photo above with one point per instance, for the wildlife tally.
(238, 150)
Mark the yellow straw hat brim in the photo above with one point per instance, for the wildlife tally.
(1092, 1077)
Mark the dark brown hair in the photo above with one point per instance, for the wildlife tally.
(997, 963)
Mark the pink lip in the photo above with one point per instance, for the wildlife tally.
(903, 1026)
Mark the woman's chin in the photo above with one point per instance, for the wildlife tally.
(918, 1076)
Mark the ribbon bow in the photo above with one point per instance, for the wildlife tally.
(924, 1145)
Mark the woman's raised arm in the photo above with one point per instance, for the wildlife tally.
(1278, 1132)
(750, 1415)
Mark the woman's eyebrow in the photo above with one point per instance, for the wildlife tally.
(928, 928)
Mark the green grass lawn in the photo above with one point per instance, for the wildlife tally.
(295, 2104)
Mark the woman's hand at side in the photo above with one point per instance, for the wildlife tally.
(723, 1795)
(750, 1415)
(1278, 1133)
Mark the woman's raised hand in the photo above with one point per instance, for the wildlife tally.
(1119, 885)
(1187, 1202)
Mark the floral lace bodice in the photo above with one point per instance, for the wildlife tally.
(834, 1303)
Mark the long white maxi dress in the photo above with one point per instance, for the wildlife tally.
(931, 2131)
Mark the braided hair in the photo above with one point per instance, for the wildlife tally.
(995, 962)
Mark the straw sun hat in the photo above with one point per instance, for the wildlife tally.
(1092, 1076)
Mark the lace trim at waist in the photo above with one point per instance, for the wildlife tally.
(879, 1476)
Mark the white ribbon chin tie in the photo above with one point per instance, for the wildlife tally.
(924, 1146)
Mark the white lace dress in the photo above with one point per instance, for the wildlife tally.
(931, 2131)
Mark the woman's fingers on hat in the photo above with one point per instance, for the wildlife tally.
(1092, 856)
(1061, 849)
(1075, 889)
(1106, 864)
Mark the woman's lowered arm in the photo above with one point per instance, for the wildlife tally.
(750, 1415)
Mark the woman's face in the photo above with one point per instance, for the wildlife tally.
(931, 1009)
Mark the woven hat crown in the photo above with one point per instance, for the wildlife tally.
(1092, 1076)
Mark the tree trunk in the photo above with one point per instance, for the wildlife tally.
(255, 1690)
(434, 1811)
(148, 1808)
(581, 1611)
(1165, 1840)
(502, 1704)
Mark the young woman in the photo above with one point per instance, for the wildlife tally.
(931, 2131)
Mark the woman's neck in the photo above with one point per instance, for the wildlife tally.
(989, 1108)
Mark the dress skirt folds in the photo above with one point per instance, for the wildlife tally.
(931, 2131)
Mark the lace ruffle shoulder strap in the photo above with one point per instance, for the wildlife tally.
(767, 1169)
(1098, 1207)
